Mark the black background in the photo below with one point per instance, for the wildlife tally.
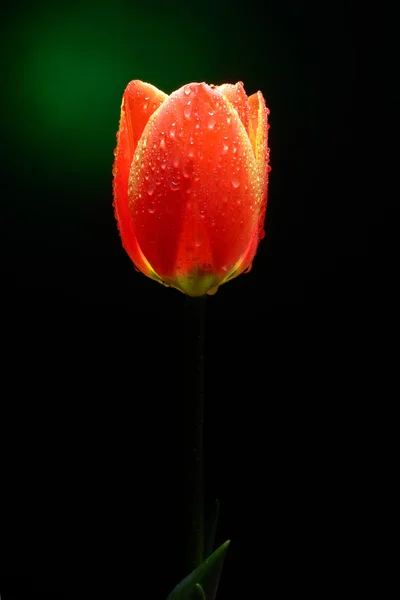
(93, 387)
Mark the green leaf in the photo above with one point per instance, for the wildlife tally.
(206, 575)
(200, 592)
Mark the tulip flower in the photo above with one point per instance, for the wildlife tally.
(190, 182)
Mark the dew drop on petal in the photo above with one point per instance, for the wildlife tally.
(150, 190)
(187, 111)
(187, 170)
(187, 90)
(174, 185)
(227, 267)
(162, 144)
(235, 180)
(151, 208)
(176, 161)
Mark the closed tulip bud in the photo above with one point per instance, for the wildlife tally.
(190, 182)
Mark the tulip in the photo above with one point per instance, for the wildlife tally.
(190, 182)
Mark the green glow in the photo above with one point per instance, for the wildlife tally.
(70, 68)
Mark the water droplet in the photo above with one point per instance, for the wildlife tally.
(187, 169)
(172, 130)
(187, 111)
(176, 161)
(162, 144)
(144, 142)
(163, 164)
(228, 120)
(235, 180)
(187, 90)
(211, 121)
(227, 267)
(225, 149)
(150, 190)
(174, 185)
(137, 156)
(211, 112)
(151, 208)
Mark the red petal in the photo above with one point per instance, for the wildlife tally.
(140, 100)
(259, 139)
(194, 186)
(238, 98)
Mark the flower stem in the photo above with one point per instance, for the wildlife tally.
(193, 431)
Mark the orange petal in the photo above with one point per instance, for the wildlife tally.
(237, 96)
(140, 101)
(259, 139)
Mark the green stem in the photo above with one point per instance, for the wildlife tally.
(193, 431)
